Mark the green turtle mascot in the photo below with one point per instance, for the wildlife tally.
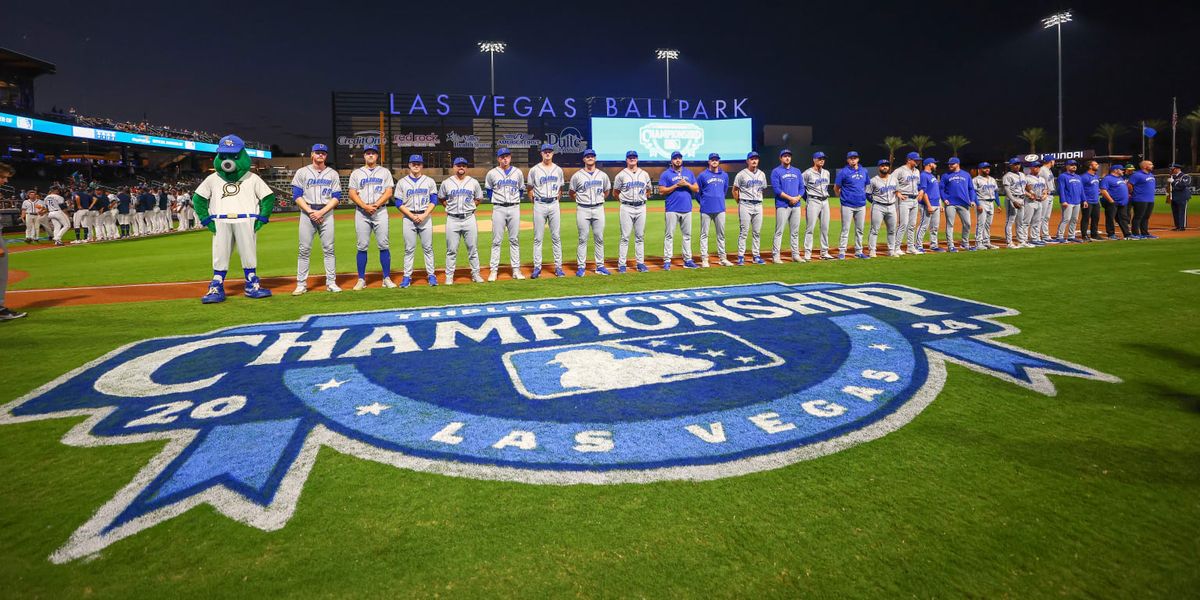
(233, 204)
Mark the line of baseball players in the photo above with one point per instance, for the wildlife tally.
(97, 214)
(908, 204)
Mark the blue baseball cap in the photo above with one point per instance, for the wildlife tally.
(851, 154)
(589, 152)
(230, 144)
(714, 156)
(1014, 161)
(930, 161)
(676, 154)
(546, 147)
(817, 155)
(460, 161)
(1116, 168)
(416, 158)
(371, 148)
(953, 161)
(751, 154)
(1071, 162)
(320, 148)
(883, 161)
(785, 151)
(1047, 157)
(1035, 163)
(985, 165)
(1176, 166)
(631, 154)
(503, 152)
(912, 156)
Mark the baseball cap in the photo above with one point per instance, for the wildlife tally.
(230, 144)
(589, 152)
(1071, 162)
(320, 148)
(751, 154)
(503, 152)
(460, 161)
(546, 147)
(883, 161)
(930, 161)
(817, 155)
(714, 156)
(1047, 157)
(1014, 161)
(953, 161)
(851, 154)
(1176, 166)
(416, 158)
(1129, 167)
(676, 154)
(371, 148)
(912, 156)
(1116, 168)
(985, 165)
(631, 154)
(785, 151)
(1035, 163)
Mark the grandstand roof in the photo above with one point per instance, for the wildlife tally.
(13, 61)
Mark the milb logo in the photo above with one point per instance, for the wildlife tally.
(691, 384)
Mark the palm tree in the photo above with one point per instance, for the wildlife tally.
(893, 143)
(1193, 121)
(1109, 132)
(955, 142)
(1158, 125)
(1033, 135)
(921, 142)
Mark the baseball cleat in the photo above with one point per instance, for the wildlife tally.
(642, 268)
(704, 263)
(300, 289)
(7, 314)
(666, 266)
(1149, 237)
(936, 248)
(256, 291)
(332, 287)
(405, 282)
(690, 264)
(775, 259)
(860, 255)
(492, 275)
(621, 268)
(388, 283)
(537, 272)
(725, 262)
(448, 280)
(558, 272)
(759, 261)
(477, 278)
(741, 261)
(432, 281)
(951, 249)
(601, 270)
(215, 294)
(579, 272)
(841, 256)
(517, 274)
(360, 285)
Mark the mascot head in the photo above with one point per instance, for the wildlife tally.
(231, 161)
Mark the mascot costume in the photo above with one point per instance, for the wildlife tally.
(233, 203)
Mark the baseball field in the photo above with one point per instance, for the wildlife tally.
(1086, 487)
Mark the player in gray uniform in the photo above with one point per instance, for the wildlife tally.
(589, 188)
(1013, 183)
(987, 193)
(881, 192)
(370, 190)
(908, 188)
(1036, 193)
(461, 194)
(1051, 181)
(816, 205)
(632, 186)
(545, 182)
(416, 195)
(316, 188)
(504, 185)
(748, 186)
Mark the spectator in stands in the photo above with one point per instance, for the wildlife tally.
(6, 314)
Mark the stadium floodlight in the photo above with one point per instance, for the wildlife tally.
(492, 48)
(668, 55)
(1056, 20)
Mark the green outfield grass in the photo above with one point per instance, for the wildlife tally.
(992, 491)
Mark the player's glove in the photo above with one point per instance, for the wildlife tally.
(260, 221)
(210, 223)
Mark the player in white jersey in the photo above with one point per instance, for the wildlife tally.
(317, 188)
(505, 184)
(1051, 181)
(632, 186)
(30, 217)
(461, 194)
(881, 192)
(908, 188)
(1013, 183)
(56, 215)
(545, 182)
(748, 186)
(370, 190)
(988, 193)
(590, 187)
(416, 195)
(816, 205)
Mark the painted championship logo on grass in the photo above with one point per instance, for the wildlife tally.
(693, 384)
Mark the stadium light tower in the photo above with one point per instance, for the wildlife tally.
(492, 48)
(1056, 21)
(667, 55)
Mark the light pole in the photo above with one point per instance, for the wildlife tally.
(1056, 20)
(667, 55)
(492, 48)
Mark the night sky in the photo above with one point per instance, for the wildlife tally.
(854, 71)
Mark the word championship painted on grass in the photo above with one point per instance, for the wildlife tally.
(693, 384)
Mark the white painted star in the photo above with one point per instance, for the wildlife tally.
(866, 327)
(332, 383)
(656, 343)
(684, 347)
(374, 408)
(745, 360)
(880, 346)
(714, 353)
